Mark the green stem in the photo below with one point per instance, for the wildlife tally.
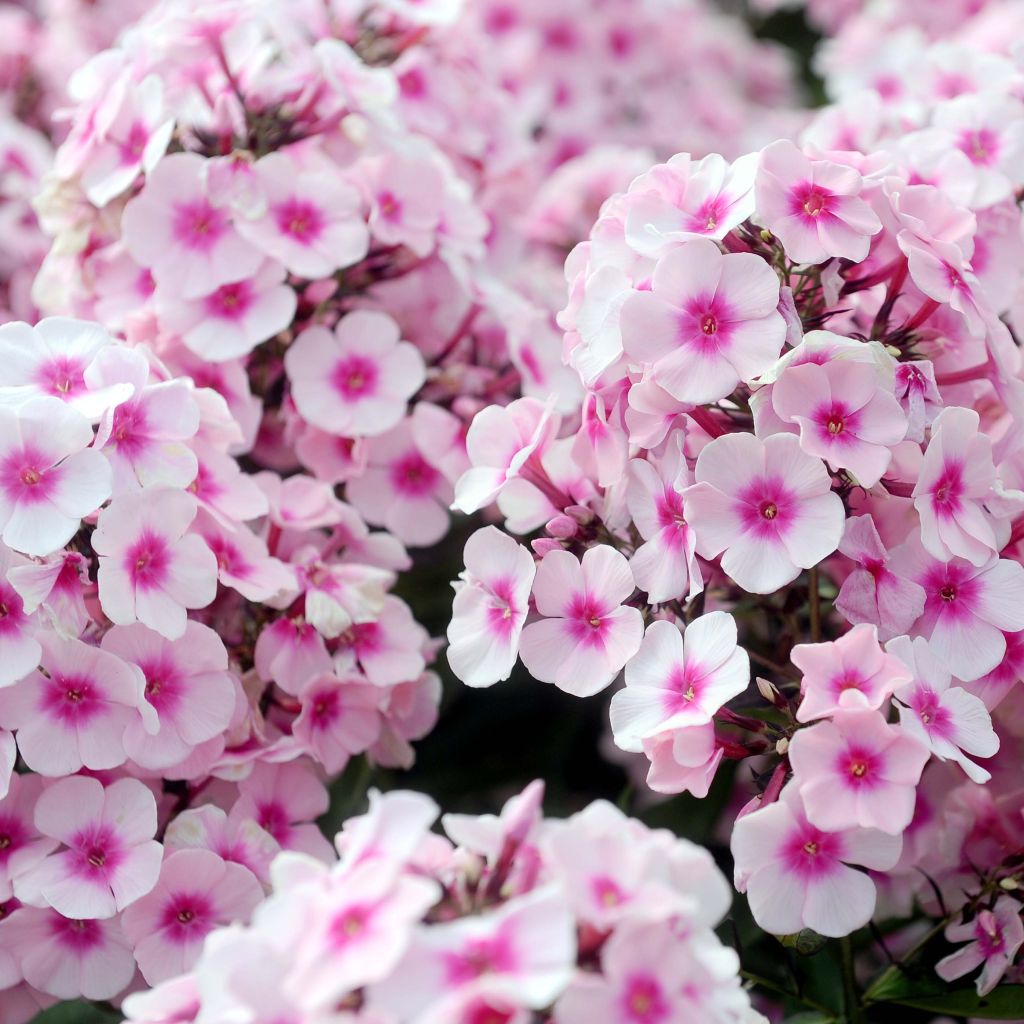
(851, 1000)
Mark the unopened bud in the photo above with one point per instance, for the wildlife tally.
(767, 689)
(766, 236)
(542, 545)
(581, 514)
(1009, 884)
(563, 527)
(782, 746)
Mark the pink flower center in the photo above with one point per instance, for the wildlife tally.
(709, 324)
(198, 225)
(76, 935)
(301, 220)
(413, 476)
(981, 146)
(355, 377)
(810, 853)
(186, 917)
(390, 206)
(72, 700)
(134, 145)
(61, 376)
(348, 926)
(768, 510)
(230, 301)
(859, 767)
(607, 893)
(148, 560)
(644, 1000)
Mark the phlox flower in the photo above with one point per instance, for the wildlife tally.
(851, 672)
(69, 958)
(766, 506)
(312, 220)
(797, 875)
(150, 569)
(813, 206)
(243, 563)
(844, 413)
(388, 650)
(290, 651)
(357, 379)
(49, 476)
(588, 634)
(995, 936)
(406, 202)
(684, 759)
(173, 228)
(338, 594)
(56, 589)
(918, 394)
(196, 892)
(968, 609)
(491, 603)
(665, 565)
(339, 718)
(232, 836)
(951, 721)
(873, 593)
(186, 683)
(76, 710)
(708, 321)
(524, 951)
(235, 317)
(17, 626)
(111, 858)
(858, 771)
(957, 474)
(678, 678)
(22, 845)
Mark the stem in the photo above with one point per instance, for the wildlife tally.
(851, 1000)
(703, 418)
(814, 605)
(961, 376)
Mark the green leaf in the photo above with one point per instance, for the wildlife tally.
(1004, 1003)
(810, 1017)
(78, 1012)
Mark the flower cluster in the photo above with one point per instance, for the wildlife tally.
(509, 919)
(802, 383)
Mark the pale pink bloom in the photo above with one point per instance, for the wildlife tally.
(22, 845)
(355, 931)
(918, 395)
(356, 380)
(234, 318)
(330, 458)
(243, 563)
(707, 197)
(222, 489)
(683, 760)
(173, 228)
(665, 565)
(289, 652)
(523, 951)
(197, 891)
(845, 415)
(393, 829)
(51, 359)
(798, 876)
(678, 678)
(234, 837)
(388, 650)
(17, 626)
(767, 505)
(708, 321)
(857, 770)
(401, 490)
(49, 476)
(150, 569)
(406, 202)
(171, 1002)
(849, 673)
(187, 684)
(144, 437)
(813, 206)
(300, 502)
(493, 835)
(285, 800)
(957, 474)
(588, 634)
(312, 221)
(78, 712)
(491, 602)
(69, 958)
(410, 711)
(339, 718)
(967, 609)
(55, 586)
(338, 594)
(951, 721)
(995, 936)
(502, 442)
(873, 593)
(111, 858)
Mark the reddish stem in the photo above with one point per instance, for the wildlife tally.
(706, 421)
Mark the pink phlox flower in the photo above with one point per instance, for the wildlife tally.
(708, 322)
(222, 489)
(23, 846)
(503, 442)
(75, 711)
(410, 711)
(856, 770)
(845, 415)
(289, 651)
(919, 396)
(329, 457)
(996, 935)
(150, 568)
(56, 587)
(708, 198)
(949, 719)
(766, 506)
(849, 673)
(234, 318)
(587, 634)
(968, 609)
(813, 206)
(388, 650)
(679, 678)
(51, 359)
(339, 718)
(443, 434)
(683, 759)
(665, 565)
(49, 476)
(499, 837)
(110, 858)
(196, 892)
(401, 489)
(491, 603)
(188, 685)
(300, 502)
(406, 196)
(17, 626)
(357, 379)
(312, 221)
(173, 227)
(175, 1001)
(394, 829)
(243, 563)
(338, 594)
(956, 475)
(601, 447)
(873, 593)
(797, 875)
